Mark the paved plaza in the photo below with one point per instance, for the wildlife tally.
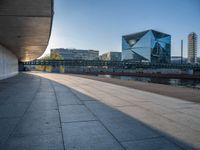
(46, 111)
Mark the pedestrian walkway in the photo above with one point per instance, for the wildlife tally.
(43, 111)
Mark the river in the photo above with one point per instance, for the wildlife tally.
(173, 82)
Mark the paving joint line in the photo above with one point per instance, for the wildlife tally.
(58, 113)
(80, 121)
(70, 104)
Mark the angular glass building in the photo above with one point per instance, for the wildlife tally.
(147, 46)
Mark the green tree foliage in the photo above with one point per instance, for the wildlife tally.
(55, 56)
(52, 56)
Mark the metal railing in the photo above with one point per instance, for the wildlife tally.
(120, 64)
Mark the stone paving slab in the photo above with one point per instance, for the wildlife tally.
(67, 98)
(165, 125)
(41, 105)
(7, 125)
(189, 122)
(39, 142)
(89, 135)
(12, 109)
(39, 123)
(150, 144)
(72, 113)
(11, 100)
(122, 127)
(82, 97)
(190, 111)
(188, 94)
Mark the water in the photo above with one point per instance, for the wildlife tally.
(173, 82)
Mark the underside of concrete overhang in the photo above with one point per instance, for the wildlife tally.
(25, 27)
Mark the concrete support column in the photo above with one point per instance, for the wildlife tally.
(8, 63)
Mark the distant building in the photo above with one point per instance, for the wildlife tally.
(192, 48)
(112, 56)
(77, 54)
(177, 60)
(147, 46)
(198, 60)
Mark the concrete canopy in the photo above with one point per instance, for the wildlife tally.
(25, 26)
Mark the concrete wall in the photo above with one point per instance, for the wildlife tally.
(8, 63)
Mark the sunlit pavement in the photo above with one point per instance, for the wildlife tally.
(43, 111)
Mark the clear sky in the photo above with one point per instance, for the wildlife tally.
(99, 24)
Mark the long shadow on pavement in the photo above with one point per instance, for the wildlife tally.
(38, 113)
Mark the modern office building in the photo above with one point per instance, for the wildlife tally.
(192, 48)
(147, 46)
(76, 54)
(111, 56)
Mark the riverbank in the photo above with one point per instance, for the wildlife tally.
(188, 94)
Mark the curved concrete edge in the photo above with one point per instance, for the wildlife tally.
(8, 63)
(26, 27)
(49, 36)
(51, 25)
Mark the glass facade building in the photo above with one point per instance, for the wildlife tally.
(147, 46)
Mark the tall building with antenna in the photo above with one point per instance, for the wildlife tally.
(192, 48)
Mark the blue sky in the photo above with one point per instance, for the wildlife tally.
(99, 24)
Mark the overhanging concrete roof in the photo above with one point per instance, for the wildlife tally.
(25, 26)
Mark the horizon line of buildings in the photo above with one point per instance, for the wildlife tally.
(146, 46)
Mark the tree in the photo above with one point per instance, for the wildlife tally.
(55, 56)
(52, 56)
